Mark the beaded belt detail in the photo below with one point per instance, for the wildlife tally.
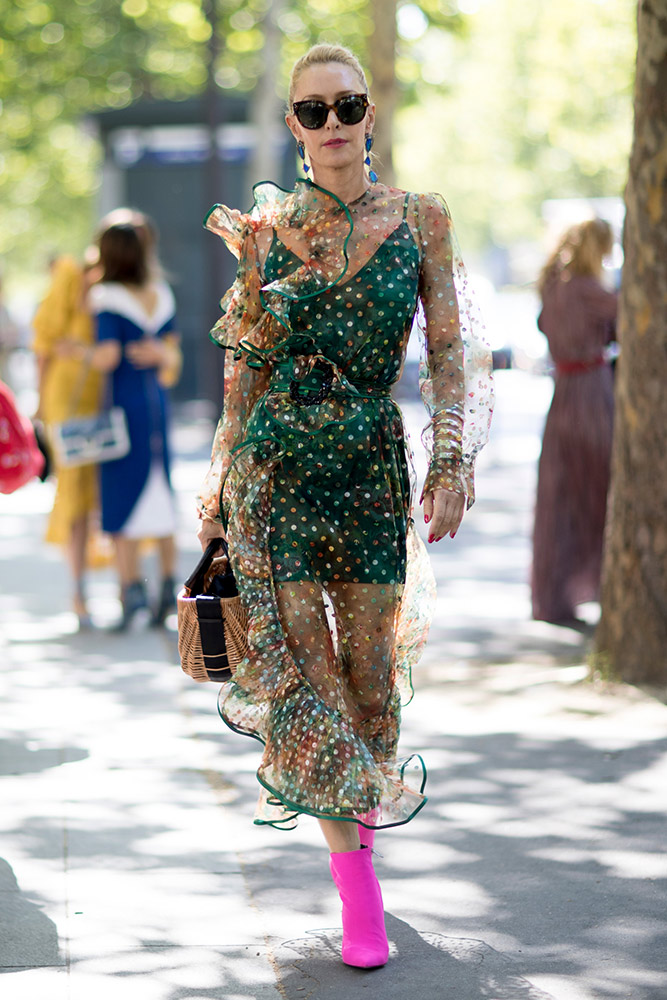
(281, 358)
(303, 392)
(318, 395)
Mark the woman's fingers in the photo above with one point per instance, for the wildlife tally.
(208, 530)
(428, 507)
(447, 513)
(67, 348)
(145, 353)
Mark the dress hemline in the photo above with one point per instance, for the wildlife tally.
(301, 811)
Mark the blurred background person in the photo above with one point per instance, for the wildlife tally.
(138, 349)
(69, 387)
(578, 319)
(20, 456)
(10, 339)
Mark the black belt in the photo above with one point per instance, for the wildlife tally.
(318, 384)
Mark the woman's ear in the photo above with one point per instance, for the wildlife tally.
(290, 121)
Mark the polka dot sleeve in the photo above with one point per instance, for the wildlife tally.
(455, 377)
(242, 314)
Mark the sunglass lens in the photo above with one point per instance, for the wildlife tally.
(312, 114)
(351, 110)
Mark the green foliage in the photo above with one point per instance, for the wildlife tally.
(58, 60)
(535, 102)
(500, 108)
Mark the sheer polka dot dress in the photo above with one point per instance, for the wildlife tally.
(310, 476)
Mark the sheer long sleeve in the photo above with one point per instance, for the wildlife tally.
(242, 318)
(456, 371)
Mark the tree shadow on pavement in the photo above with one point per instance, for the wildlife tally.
(23, 756)
(28, 938)
(550, 845)
(421, 964)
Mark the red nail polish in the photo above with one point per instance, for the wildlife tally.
(426, 518)
(430, 538)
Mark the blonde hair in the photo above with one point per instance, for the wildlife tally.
(580, 251)
(318, 55)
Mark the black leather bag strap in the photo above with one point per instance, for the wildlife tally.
(195, 582)
(212, 634)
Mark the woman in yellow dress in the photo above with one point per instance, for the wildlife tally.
(63, 336)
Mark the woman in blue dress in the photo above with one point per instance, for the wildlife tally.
(137, 346)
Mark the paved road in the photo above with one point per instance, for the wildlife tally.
(129, 865)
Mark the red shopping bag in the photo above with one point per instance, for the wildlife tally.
(20, 457)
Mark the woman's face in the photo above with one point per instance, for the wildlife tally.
(334, 146)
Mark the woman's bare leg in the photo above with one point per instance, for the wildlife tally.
(127, 559)
(365, 614)
(340, 837)
(166, 548)
(307, 633)
(76, 551)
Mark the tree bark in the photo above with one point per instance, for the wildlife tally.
(631, 640)
(384, 91)
(267, 108)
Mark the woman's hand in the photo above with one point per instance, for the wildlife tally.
(104, 357)
(149, 352)
(67, 347)
(443, 510)
(170, 371)
(208, 530)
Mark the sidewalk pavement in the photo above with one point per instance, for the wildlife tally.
(130, 866)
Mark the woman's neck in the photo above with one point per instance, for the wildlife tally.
(347, 184)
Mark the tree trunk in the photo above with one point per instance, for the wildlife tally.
(631, 640)
(382, 64)
(210, 375)
(267, 109)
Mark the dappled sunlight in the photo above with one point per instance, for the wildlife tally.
(543, 833)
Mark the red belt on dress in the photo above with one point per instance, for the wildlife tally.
(576, 367)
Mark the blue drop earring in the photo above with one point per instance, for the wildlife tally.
(367, 162)
(301, 150)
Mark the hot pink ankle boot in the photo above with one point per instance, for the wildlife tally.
(365, 942)
(366, 836)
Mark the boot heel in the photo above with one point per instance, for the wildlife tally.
(134, 604)
(166, 604)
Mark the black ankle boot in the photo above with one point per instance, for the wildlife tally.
(167, 602)
(133, 599)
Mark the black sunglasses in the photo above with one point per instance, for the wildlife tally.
(350, 110)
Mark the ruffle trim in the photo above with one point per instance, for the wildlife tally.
(377, 795)
(302, 210)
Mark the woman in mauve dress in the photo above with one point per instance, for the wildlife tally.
(578, 319)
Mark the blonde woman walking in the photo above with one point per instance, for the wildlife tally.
(310, 477)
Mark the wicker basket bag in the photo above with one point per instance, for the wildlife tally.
(212, 622)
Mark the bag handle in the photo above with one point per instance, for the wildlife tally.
(195, 582)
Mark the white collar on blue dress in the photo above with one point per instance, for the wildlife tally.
(113, 297)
